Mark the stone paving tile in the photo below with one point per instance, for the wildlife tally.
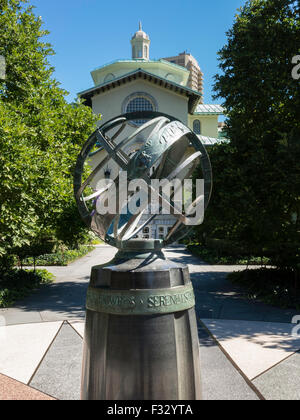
(23, 347)
(14, 316)
(60, 372)
(10, 389)
(254, 346)
(282, 382)
(63, 314)
(78, 326)
(220, 379)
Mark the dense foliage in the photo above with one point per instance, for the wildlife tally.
(17, 284)
(60, 257)
(40, 137)
(256, 199)
(270, 285)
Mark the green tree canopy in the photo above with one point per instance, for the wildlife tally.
(256, 198)
(40, 137)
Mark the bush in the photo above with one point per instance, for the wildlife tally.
(17, 284)
(270, 285)
(62, 257)
(223, 252)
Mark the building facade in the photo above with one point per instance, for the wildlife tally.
(173, 86)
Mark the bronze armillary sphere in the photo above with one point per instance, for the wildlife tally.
(171, 150)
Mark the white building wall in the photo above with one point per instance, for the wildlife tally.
(209, 124)
(109, 104)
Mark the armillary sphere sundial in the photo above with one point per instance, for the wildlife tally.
(140, 335)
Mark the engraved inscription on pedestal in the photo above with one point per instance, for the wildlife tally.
(141, 302)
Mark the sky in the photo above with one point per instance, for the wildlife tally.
(86, 34)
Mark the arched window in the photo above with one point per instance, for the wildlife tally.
(197, 127)
(139, 104)
(145, 51)
(139, 101)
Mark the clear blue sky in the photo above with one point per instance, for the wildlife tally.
(86, 34)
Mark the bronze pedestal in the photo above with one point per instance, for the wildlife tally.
(141, 339)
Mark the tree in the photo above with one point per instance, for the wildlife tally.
(257, 176)
(41, 135)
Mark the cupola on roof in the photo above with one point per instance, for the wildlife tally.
(140, 33)
(140, 43)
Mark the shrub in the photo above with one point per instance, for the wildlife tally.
(271, 285)
(17, 284)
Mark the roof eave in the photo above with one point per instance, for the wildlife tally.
(193, 96)
(208, 113)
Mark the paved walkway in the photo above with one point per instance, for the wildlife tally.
(64, 299)
(247, 348)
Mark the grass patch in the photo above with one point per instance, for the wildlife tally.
(17, 284)
(270, 285)
(212, 256)
(59, 258)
